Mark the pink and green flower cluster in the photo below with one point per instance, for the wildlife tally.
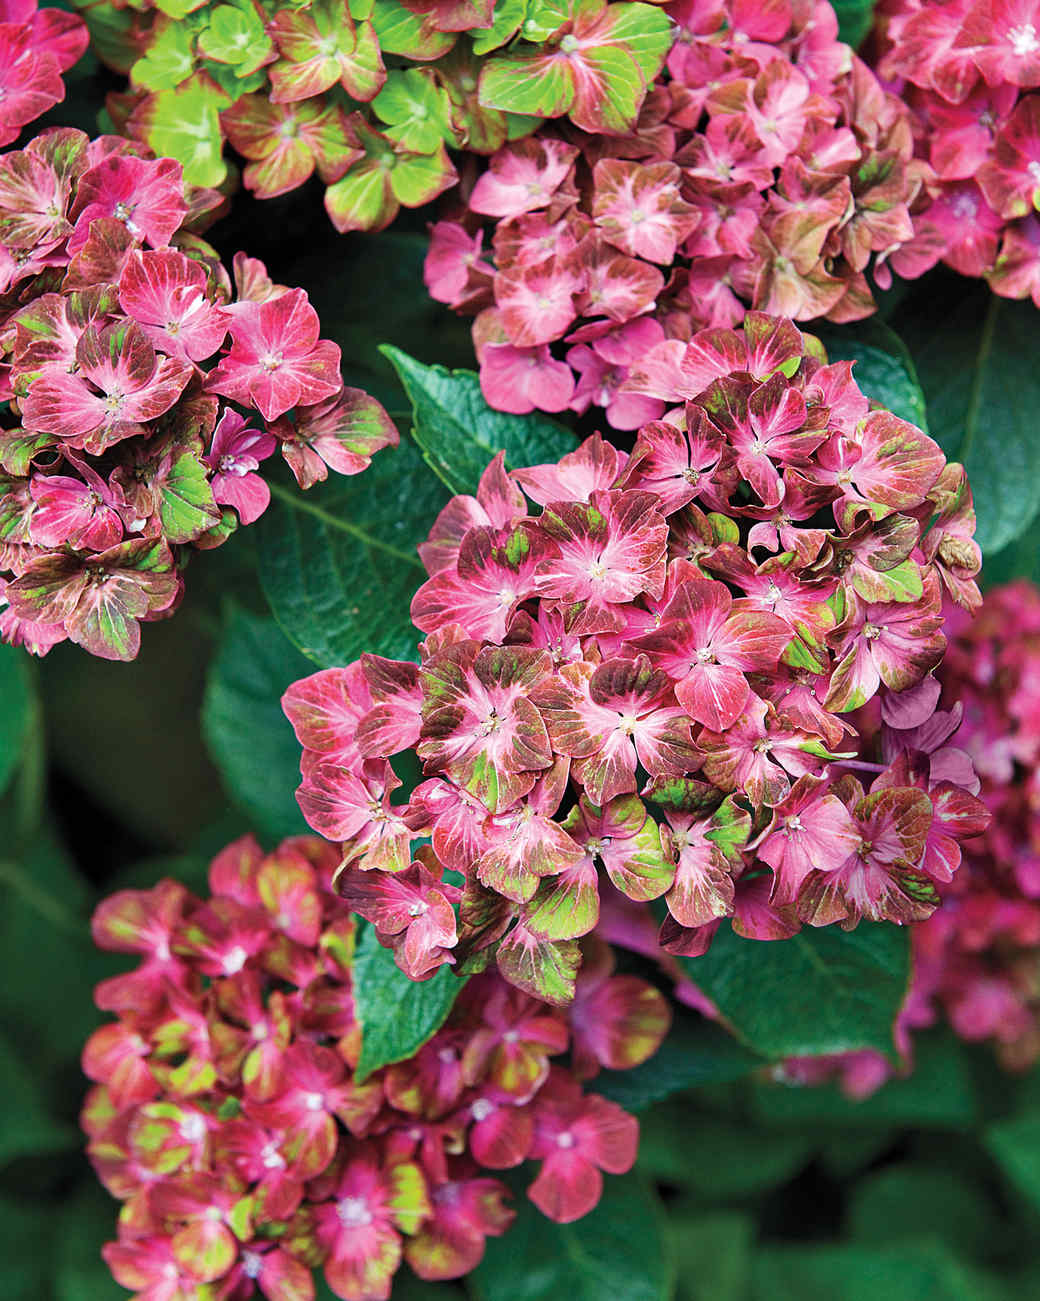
(977, 960)
(36, 47)
(641, 674)
(970, 72)
(229, 1119)
(126, 354)
(369, 94)
(767, 168)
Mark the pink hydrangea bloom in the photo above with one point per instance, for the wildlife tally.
(976, 959)
(767, 168)
(227, 1114)
(36, 47)
(119, 455)
(700, 628)
(970, 72)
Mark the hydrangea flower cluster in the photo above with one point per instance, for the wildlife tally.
(970, 72)
(977, 960)
(123, 447)
(229, 1118)
(647, 684)
(768, 167)
(36, 47)
(370, 94)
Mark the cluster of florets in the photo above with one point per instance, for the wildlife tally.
(768, 168)
(122, 446)
(977, 959)
(35, 49)
(647, 686)
(230, 1119)
(370, 94)
(970, 70)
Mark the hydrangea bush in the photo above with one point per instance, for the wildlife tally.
(230, 1116)
(689, 699)
(125, 444)
(369, 94)
(969, 72)
(767, 168)
(655, 676)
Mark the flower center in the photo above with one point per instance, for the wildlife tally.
(1023, 39)
(271, 1158)
(125, 213)
(481, 1109)
(234, 960)
(193, 1128)
(793, 823)
(252, 1264)
(871, 631)
(964, 207)
(565, 1140)
(353, 1212)
(418, 909)
(314, 1102)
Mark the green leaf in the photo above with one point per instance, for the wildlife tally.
(87, 1219)
(717, 1158)
(982, 385)
(855, 19)
(460, 434)
(397, 1015)
(37, 1132)
(914, 1199)
(695, 1052)
(248, 736)
(822, 991)
(44, 929)
(713, 1253)
(1015, 1143)
(921, 1271)
(617, 1252)
(16, 709)
(339, 565)
(884, 368)
(1020, 559)
(26, 1242)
